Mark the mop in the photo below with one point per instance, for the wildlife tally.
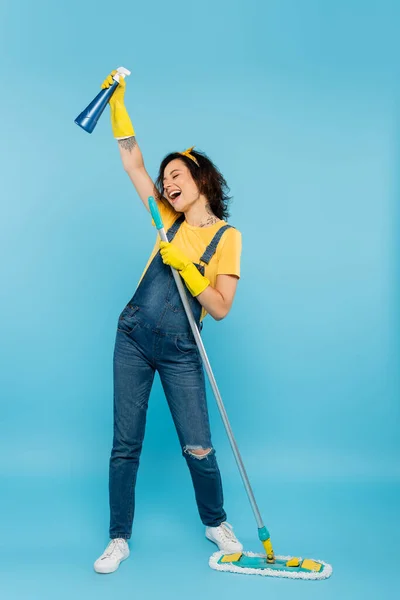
(249, 563)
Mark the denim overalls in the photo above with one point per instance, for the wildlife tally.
(154, 334)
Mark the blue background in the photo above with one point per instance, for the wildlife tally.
(297, 103)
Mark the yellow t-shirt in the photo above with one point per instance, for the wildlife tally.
(193, 241)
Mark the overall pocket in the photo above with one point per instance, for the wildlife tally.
(127, 321)
(185, 345)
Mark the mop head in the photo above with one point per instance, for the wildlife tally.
(249, 563)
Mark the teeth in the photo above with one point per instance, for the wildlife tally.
(174, 193)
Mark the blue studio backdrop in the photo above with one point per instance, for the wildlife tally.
(297, 104)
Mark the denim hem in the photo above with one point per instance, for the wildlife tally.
(216, 523)
(125, 536)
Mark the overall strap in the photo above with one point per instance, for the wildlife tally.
(212, 247)
(174, 227)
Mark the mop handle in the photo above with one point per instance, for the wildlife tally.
(178, 280)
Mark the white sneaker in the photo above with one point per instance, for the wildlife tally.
(116, 551)
(224, 537)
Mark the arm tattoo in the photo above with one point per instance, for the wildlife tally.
(128, 143)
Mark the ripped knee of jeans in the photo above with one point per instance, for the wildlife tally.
(197, 451)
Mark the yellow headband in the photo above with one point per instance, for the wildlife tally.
(187, 153)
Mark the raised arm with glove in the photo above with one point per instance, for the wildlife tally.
(120, 121)
(123, 131)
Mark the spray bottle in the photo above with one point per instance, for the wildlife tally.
(92, 113)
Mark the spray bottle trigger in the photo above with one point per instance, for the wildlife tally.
(121, 72)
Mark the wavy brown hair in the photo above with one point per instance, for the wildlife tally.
(207, 177)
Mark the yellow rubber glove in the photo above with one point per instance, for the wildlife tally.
(194, 280)
(120, 122)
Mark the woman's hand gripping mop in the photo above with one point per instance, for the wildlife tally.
(246, 562)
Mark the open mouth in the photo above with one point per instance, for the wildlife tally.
(173, 196)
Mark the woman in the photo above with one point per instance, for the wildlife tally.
(154, 334)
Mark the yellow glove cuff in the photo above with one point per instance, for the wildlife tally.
(120, 121)
(195, 281)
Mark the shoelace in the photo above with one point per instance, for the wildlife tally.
(112, 546)
(227, 533)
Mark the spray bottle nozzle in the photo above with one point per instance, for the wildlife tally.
(121, 72)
